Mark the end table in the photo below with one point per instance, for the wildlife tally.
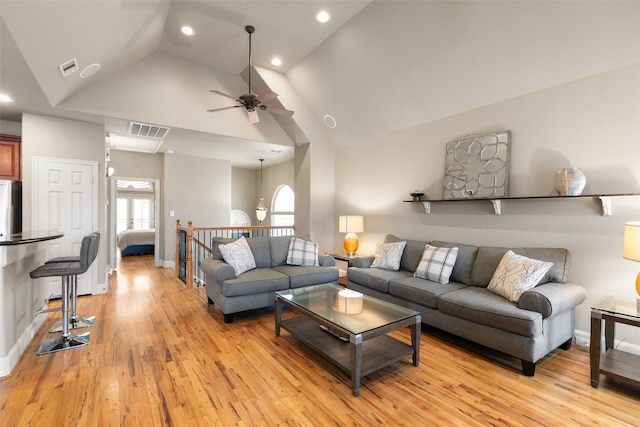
(615, 363)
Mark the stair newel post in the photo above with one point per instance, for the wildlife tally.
(177, 264)
(190, 255)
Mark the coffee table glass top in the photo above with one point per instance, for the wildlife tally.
(324, 301)
(615, 305)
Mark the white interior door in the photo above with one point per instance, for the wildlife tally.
(65, 198)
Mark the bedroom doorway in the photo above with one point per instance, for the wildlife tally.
(134, 213)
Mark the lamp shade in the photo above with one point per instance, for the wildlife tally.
(350, 224)
(631, 249)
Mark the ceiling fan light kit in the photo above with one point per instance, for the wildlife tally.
(250, 101)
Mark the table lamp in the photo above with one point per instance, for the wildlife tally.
(631, 249)
(351, 224)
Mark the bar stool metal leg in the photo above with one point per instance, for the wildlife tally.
(66, 340)
(75, 321)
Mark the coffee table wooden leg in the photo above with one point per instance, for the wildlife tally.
(594, 350)
(355, 349)
(415, 340)
(278, 305)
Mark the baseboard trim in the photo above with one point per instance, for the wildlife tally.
(583, 339)
(8, 362)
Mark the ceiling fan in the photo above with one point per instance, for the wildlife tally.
(250, 101)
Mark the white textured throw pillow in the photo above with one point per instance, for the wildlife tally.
(302, 252)
(516, 274)
(238, 255)
(437, 264)
(388, 255)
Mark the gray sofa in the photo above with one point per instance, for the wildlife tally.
(255, 288)
(541, 321)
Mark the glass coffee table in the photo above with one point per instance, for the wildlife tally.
(614, 363)
(348, 328)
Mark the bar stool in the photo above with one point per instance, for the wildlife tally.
(75, 321)
(88, 253)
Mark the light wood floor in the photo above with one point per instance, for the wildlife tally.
(159, 355)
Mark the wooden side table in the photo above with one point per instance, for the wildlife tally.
(615, 363)
(342, 280)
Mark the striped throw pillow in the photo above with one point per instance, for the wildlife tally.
(436, 264)
(302, 252)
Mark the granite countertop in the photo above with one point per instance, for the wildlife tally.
(33, 236)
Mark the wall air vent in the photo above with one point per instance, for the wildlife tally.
(69, 67)
(148, 131)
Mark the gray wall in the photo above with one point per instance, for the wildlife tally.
(196, 189)
(591, 123)
(66, 139)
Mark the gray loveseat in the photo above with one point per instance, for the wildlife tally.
(542, 320)
(255, 288)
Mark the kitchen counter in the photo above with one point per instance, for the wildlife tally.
(30, 237)
(20, 296)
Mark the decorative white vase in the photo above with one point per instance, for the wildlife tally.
(570, 181)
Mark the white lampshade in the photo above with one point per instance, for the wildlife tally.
(350, 224)
(631, 249)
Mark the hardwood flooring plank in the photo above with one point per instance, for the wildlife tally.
(160, 355)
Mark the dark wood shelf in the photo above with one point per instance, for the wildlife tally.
(605, 199)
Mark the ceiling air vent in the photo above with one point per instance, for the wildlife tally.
(148, 131)
(69, 67)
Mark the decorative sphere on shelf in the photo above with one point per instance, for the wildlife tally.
(570, 181)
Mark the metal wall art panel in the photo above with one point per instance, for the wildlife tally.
(477, 166)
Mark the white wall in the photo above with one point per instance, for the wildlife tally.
(592, 123)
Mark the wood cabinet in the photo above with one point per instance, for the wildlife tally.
(10, 157)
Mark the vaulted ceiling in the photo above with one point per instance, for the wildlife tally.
(376, 66)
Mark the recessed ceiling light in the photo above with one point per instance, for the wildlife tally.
(188, 31)
(5, 98)
(276, 61)
(89, 70)
(329, 121)
(323, 16)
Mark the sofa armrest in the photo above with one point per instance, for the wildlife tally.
(326, 260)
(362, 261)
(552, 298)
(217, 270)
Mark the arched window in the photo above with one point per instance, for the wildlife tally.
(283, 206)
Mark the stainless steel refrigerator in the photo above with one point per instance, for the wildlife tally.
(10, 207)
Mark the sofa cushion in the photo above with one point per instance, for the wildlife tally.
(238, 255)
(412, 252)
(436, 264)
(375, 278)
(421, 291)
(303, 253)
(388, 255)
(516, 274)
(464, 262)
(280, 248)
(481, 306)
(255, 281)
(488, 259)
(261, 251)
(305, 276)
(215, 243)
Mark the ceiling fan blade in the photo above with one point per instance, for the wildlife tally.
(213, 110)
(224, 94)
(267, 96)
(253, 116)
(278, 110)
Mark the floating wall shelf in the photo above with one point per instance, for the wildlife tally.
(605, 200)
